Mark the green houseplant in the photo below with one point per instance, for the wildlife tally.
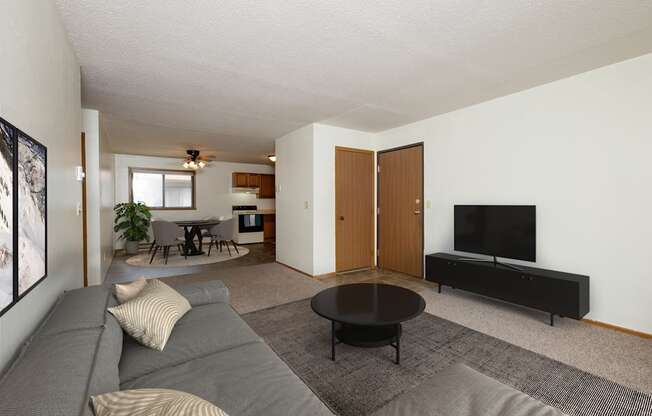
(132, 221)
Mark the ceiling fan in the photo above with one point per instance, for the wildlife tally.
(194, 161)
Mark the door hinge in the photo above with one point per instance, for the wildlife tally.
(377, 211)
(378, 168)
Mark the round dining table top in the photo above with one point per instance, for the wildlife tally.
(191, 223)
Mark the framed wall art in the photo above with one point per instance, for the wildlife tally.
(23, 214)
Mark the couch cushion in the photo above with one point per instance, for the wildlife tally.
(462, 391)
(202, 331)
(202, 293)
(105, 376)
(246, 380)
(51, 376)
(78, 309)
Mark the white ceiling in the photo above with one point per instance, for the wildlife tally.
(230, 76)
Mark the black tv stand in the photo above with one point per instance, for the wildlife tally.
(558, 293)
(495, 262)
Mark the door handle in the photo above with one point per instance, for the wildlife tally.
(341, 218)
(417, 212)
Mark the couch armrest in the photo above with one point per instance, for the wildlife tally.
(202, 293)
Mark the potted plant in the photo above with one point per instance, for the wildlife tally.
(132, 220)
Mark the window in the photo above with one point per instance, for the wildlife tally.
(162, 189)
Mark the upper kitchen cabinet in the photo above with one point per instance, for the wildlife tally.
(267, 187)
(249, 182)
(253, 180)
(240, 180)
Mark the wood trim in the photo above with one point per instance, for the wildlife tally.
(351, 149)
(372, 250)
(618, 328)
(191, 173)
(84, 213)
(423, 197)
(296, 270)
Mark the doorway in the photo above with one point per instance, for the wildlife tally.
(354, 209)
(400, 209)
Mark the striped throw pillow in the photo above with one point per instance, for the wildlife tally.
(150, 317)
(125, 292)
(153, 402)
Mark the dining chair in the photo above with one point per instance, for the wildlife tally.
(222, 234)
(166, 235)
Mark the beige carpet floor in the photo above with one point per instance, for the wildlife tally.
(258, 287)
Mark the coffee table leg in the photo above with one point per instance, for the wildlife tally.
(398, 345)
(333, 340)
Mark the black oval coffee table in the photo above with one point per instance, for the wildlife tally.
(367, 314)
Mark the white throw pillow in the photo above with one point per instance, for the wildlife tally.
(153, 402)
(127, 291)
(150, 317)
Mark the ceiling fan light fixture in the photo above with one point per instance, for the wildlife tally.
(193, 161)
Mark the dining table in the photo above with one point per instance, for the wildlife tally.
(193, 229)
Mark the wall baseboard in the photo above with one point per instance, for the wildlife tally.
(325, 275)
(295, 269)
(618, 328)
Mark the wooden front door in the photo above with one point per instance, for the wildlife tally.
(400, 215)
(354, 208)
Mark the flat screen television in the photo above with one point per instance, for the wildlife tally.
(507, 231)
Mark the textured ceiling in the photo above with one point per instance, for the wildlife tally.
(231, 76)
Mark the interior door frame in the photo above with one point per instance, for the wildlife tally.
(371, 153)
(423, 202)
(84, 214)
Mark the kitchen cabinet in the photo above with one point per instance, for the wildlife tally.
(269, 226)
(240, 180)
(267, 186)
(265, 183)
(253, 180)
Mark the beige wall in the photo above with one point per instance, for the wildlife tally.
(40, 94)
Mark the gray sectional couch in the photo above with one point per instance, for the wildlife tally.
(80, 351)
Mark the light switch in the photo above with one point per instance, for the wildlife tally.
(306, 204)
(428, 205)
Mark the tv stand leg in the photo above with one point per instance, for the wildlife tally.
(552, 319)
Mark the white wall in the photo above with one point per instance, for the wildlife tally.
(100, 195)
(305, 170)
(294, 199)
(107, 201)
(213, 186)
(40, 94)
(580, 150)
(326, 138)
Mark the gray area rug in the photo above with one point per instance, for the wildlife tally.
(363, 380)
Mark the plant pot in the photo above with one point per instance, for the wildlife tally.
(131, 247)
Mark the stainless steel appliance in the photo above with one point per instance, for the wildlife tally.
(248, 224)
